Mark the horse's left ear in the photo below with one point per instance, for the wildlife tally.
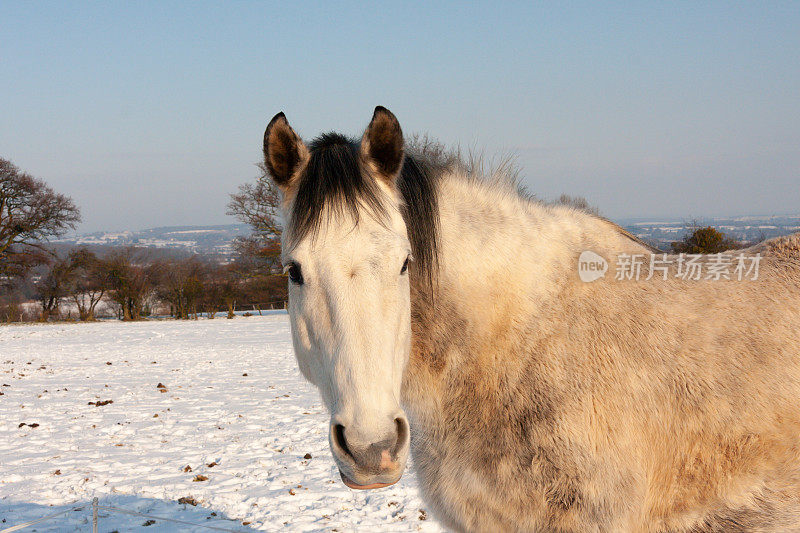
(382, 145)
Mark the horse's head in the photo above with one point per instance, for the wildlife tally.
(346, 251)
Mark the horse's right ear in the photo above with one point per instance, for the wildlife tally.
(284, 152)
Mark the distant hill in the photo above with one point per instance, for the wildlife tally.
(194, 239)
(661, 233)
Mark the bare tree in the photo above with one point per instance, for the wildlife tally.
(89, 282)
(211, 299)
(214, 296)
(258, 205)
(30, 212)
(258, 256)
(181, 284)
(230, 291)
(52, 288)
(129, 282)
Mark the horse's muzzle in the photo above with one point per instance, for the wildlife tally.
(367, 463)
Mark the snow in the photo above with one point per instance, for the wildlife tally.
(233, 397)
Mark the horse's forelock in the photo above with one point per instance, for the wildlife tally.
(334, 183)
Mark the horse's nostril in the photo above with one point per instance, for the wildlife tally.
(374, 452)
(338, 435)
(401, 425)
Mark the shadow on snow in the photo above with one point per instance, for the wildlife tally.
(18, 512)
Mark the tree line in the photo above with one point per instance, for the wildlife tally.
(131, 283)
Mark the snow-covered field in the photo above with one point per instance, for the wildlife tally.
(236, 429)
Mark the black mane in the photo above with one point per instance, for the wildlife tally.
(334, 178)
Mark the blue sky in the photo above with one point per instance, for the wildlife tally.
(151, 113)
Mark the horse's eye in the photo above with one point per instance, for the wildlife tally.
(295, 274)
(405, 266)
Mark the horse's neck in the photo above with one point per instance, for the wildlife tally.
(503, 261)
(502, 255)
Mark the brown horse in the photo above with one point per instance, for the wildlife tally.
(446, 314)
